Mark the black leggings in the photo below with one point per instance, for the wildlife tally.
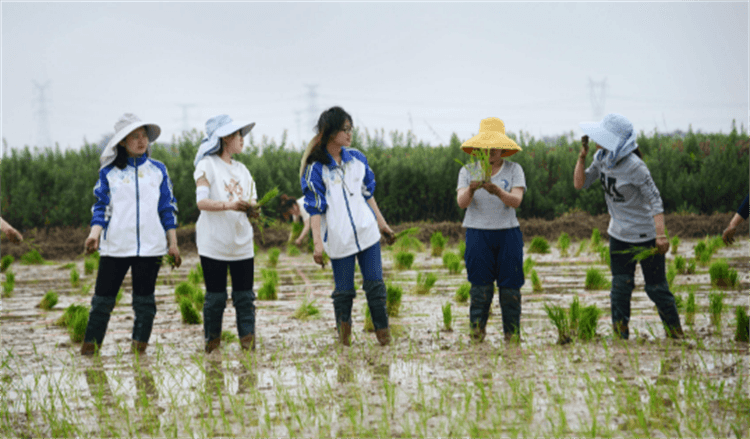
(112, 271)
(215, 274)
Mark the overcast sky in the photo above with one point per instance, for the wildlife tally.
(434, 68)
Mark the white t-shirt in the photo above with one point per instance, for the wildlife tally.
(303, 215)
(225, 235)
(487, 211)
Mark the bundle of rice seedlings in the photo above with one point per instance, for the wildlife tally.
(582, 247)
(189, 314)
(424, 283)
(437, 244)
(640, 253)
(721, 275)
(5, 262)
(228, 337)
(273, 256)
(9, 284)
(535, 281)
(528, 264)
(77, 325)
(75, 278)
(604, 256)
(452, 261)
(267, 291)
(690, 269)
(680, 264)
(369, 326)
(715, 307)
(596, 239)
(462, 249)
(463, 293)
(563, 242)
(743, 325)
(261, 219)
(306, 310)
(195, 276)
(671, 274)
(690, 308)
(595, 280)
(560, 320)
(32, 258)
(296, 229)
(48, 301)
(184, 289)
(589, 320)
(292, 250)
(714, 243)
(199, 298)
(447, 317)
(90, 265)
(679, 302)
(575, 315)
(270, 275)
(393, 299)
(68, 314)
(675, 244)
(479, 166)
(703, 252)
(539, 245)
(404, 260)
(406, 241)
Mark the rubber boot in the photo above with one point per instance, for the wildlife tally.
(213, 312)
(384, 336)
(345, 333)
(479, 310)
(145, 310)
(244, 305)
(342, 309)
(101, 310)
(619, 296)
(138, 346)
(665, 304)
(377, 295)
(510, 306)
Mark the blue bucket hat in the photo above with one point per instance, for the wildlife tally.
(216, 128)
(614, 133)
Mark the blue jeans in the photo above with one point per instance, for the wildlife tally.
(495, 256)
(371, 266)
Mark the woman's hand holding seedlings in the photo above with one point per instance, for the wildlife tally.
(390, 236)
(92, 241)
(492, 188)
(474, 185)
(175, 253)
(662, 245)
(239, 206)
(318, 254)
(253, 211)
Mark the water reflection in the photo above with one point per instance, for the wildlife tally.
(147, 400)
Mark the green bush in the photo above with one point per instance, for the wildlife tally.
(273, 256)
(595, 280)
(425, 283)
(32, 258)
(9, 284)
(447, 317)
(563, 243)
(49, 300)
(463, 293)
(539, 245)
(404, 260)
(437, 244)
(393, 299)
(5, 263)
(535, 281)
(189, 314)
(743, 325)
(722, 275)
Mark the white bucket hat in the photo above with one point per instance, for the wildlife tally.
(614, 133)
(127, 123)
(216, 128)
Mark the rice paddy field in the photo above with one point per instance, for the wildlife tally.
(431, 381)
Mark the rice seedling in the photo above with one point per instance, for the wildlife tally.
(743, 325)
(463, 293)
(535, 281)
(77, 325)
(49, 300)
(273, 256)
(604, 255)
(589, 320)
(195, 276)
(90, 265)
(425, 283)
(369, 326)
(714, 243)
(453, 262)
(690, 269)
(582, 247)
(5, 262)
(679, 302)
(640, 253)
(560, 319)
(690, 308)
(189, 314)
(199, 298)
(539, 245)
(722, 275)
(675, 244)
(447, 317)
(292, 249)
(268, 291)
(671, 274)
(406, 241)
(185, 290)
(306, 310)
(118, 298)
(228, 337)
(680, 264)
(68, 266)
(462, 249)
(261, 219)
(75, 278)
(595, 280)
(528, 264)
(32, 258)
(478, 165)
(563, 242)
(404, 260)
(596, 239)
(574, 315)
(9, 284)
(715, 307)
(437, 244)
(393, 299)
(68, 314)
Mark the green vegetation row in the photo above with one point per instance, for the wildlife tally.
(698, 173)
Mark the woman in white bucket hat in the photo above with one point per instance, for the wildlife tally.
(637, 218)
(134, 224)
(494, 242)
(225, 192)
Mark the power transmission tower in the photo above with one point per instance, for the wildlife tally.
(312, 105)
(43, 138)
(597, 90)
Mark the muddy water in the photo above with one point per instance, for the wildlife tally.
(429, 382)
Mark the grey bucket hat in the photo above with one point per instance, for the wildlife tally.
(127, 123)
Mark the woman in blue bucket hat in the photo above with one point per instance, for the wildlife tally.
(133, 225)
(225, 192)
(637, 218)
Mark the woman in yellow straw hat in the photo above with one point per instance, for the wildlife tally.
(491, 193)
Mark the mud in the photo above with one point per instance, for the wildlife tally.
(429, 382)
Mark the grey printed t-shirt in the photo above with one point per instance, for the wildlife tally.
(632, 197)
(487, 211)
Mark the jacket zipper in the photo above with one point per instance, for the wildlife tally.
(348, 210)
(137, 211)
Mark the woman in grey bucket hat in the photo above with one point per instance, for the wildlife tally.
(637, 219)
(133, 225)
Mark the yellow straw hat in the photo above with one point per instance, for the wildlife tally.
(491, 136)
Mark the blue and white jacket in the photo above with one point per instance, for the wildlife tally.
(135, 206)
(339, 194)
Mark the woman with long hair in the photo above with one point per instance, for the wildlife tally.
(338, 186)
